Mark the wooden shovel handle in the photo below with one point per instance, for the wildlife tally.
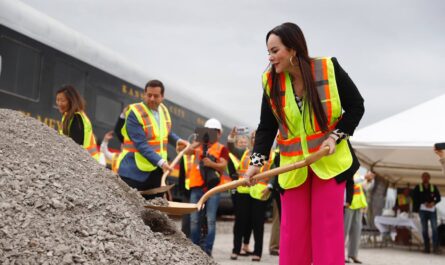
(264, 175)
(164, 187)
(173, 163)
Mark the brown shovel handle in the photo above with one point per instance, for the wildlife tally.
(173, 163)
(264, 175)
(164, 187)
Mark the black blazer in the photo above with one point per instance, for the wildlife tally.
(352, 103)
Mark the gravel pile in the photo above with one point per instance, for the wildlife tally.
(58, 206)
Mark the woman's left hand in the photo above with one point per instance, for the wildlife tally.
(330, 142)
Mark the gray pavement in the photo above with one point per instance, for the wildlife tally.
(393, 255)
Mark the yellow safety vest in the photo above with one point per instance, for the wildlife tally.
(358, 198)
(89, 142)
(256, 191)
(235, 161)
(421, 187)
(302, 138)
(188, 166)
(157, 135)
(242, 168)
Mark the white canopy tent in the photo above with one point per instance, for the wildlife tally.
(400, 148)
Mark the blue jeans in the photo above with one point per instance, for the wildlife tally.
(211, 207)
(432, 217)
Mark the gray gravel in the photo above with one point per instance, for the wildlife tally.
(59, 206)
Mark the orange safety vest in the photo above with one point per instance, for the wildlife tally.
(196, 180)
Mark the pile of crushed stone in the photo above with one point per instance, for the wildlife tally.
(59, 206)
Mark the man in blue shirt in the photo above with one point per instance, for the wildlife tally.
(146, 130)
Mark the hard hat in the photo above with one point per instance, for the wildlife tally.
(213, 124)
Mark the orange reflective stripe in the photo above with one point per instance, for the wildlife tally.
(129, 146)
(357, 189)
(292, 147)
(147, 122)
(319, 68)
(244, 163)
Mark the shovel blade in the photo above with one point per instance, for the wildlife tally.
(175, 208)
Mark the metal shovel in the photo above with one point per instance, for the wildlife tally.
(164, 187)
(181, 208)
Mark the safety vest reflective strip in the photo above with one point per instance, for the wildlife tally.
(89, 141)
(157, 134)
(293, 147)
(235, 161)
(268, 80)
(359, 198)
(319, 70)
(421, 187)
(244, 164)
(303, 138)
(188, 165)
(155, 145)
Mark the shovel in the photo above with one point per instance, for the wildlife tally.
(164, 187)
(181, 208)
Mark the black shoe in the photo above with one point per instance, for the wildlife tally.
(234, 256)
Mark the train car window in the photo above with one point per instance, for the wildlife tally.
(68, 74)
(0, 64)
(107, 109)
(21, 68)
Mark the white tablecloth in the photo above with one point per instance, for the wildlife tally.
(384, 223)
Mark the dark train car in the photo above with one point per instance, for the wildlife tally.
(34, 64)
(39, 54)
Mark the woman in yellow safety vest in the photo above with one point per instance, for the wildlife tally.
(312, 103)
(75, 123)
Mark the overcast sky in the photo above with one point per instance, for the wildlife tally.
(215, 50)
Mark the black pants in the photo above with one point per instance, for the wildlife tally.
(248, 226)
(249, 214)
(153, 181)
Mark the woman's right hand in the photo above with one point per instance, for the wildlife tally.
(250, 172)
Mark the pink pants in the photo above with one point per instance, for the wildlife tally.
(312, 223)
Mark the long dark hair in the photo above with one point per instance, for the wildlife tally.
(76, 103)
(292, 37)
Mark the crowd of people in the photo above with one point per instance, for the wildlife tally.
(312, 103)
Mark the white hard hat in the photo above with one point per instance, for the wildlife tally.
(213, 124)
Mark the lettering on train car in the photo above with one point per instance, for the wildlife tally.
(132, 92)
(50, 122)
(200, 121)
(177, 111)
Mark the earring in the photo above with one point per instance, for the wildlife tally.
(290, 60)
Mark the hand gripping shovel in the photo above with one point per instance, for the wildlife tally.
(164, 187)
(181, 208)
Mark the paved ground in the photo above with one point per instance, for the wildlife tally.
(370, 256)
